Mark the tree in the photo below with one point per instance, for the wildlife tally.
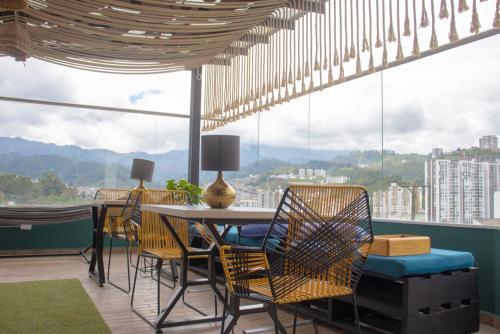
(14, 185)
(51, 184)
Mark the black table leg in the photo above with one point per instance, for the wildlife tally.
(98, 244)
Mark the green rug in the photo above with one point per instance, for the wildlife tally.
(55, 307)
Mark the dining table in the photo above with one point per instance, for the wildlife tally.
(212, 219)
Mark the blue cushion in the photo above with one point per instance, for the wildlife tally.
(232, 238)
(254, 230)
(439, 260)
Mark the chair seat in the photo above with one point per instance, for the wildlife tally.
(173, 253)
(310, 290)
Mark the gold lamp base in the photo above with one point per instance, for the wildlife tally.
(140, 186)
(219, 195)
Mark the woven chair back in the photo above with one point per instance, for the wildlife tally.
(153, 232)
(113, 220)
(317, 239)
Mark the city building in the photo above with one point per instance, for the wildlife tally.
(396, 202)
(302, 173)
(338, 179)
(319, 173)
(496, 206)
(267, 198)
(489, 142)
(460, 191)
(309, 173)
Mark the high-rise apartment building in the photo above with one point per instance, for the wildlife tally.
(396, 202)
(488, 143)
(460, 191)
(267, 198)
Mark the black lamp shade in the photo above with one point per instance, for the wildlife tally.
(220, 153)
(142, 170)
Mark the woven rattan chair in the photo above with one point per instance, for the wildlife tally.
(315, 248)
(118, 227)
(156, 242)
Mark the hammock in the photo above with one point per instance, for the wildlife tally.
(43, 215)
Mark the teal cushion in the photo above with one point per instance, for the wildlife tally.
(439, 260)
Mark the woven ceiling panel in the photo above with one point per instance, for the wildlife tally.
(118, 36)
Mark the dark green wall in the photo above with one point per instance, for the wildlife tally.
(76, 234)
(483, 243)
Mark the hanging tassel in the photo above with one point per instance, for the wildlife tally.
(325, 64)
(290, 77)
(284, 80)
(371, 66)
(407, 31)
(336, 61)
(475, 25)
(496, 20)
(434, 42)
(453, 34)
(416, 49)
(341, 73)
(365, 46)
(378, 43)
(424, 20)
(391, 35)
(384, 58)
(331, 81)
(352, 54)
(400, 56)
(443, 12)
(462, 6)
(317, 66)
(358, 66)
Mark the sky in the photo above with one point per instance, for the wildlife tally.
(447, 100)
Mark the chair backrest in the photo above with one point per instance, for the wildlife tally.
(131, 213)
(319, 233)
(112, 213)
(153, 232)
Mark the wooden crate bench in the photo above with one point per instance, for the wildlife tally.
(438, 302)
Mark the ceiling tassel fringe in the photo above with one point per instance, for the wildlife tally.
(391, 34)
(399, 55)
(475, 25)
(453, 35)
(443, 12)
(378, 43)
(407, 31)
(462, 6)
(365, 47)
(416, 49)
(434, 41)
(424, 20)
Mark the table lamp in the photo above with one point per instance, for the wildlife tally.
(142, 170)
(220, 153)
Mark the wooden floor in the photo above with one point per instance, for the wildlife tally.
(114, 305)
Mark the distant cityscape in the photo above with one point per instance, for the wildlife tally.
(462, 186)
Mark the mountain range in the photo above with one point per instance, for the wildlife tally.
(101, 167)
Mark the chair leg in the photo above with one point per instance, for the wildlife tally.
(128, 266)
(158, 269)
(224, 310)
(109, 256)
(295, 317)
(275, 312)
(356, 315)
(135, 280)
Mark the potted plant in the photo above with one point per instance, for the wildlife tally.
(195, 192)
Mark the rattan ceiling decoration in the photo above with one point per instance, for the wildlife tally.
(127, 36)
(314, 44)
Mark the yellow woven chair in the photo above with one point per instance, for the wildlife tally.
(113, 215)
(157, 243)
(315, 248)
